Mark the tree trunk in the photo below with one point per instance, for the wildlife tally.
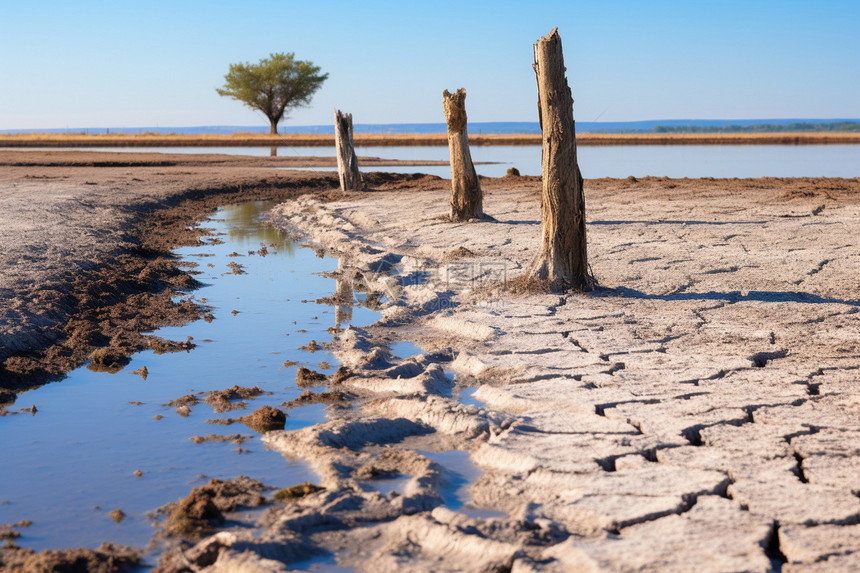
(466, 197)
(273, 127)
(563, 258)
(347, 162)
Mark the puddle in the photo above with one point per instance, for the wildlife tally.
(321, 564)
(69, 465)
(460, 473)
(405, 349)
(466, 397)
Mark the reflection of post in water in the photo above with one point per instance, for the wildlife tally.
(343, 295)
(273, 151)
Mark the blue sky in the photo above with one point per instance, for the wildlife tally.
(146, 63)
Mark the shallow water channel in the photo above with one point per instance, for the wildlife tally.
(72, 462)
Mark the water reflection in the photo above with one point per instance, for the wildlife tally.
(343, 295)
(246, 229)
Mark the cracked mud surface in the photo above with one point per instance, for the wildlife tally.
(700, 410)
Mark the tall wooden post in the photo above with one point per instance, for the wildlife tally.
(347, 162)
(466, 197)
(563, 257)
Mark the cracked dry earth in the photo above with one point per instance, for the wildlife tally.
(699, 411)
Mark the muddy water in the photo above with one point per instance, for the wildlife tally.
(66, 467)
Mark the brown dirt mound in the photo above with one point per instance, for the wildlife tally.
(223, 400)
(265, 419)
(108, 558)
(203, 510)
(306, 377)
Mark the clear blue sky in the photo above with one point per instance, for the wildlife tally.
(145, 63)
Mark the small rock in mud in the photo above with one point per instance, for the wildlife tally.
(203, 510)
(110, 359)
(234, 312)
(341, 374)
(311, 346)
(183, 411)
(236, 268)
(137, 473)
(306, 377)
(236, 438)
(265, 419)
(297, 491)
(108, 558)
(220, 400)
(157, 417)
(310, 397)
(117, 515)
(208, 317)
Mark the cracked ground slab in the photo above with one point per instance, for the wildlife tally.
(698, 410)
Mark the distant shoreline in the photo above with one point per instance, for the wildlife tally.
(37, 140)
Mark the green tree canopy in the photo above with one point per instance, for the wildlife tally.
(276, 84)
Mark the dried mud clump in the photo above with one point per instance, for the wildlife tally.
(143, 372)
(221, 400)
(306, 377)
(311, 346)
(110, 359)
(341, 374)
(7, 397)
(187, 400)
(265, 419)
(309, 397)
(108, 558)
(457, 254)
(237, 439)
(297, 491)
(163, 346)
(203, 510)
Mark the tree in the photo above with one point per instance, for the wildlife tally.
(276, 84)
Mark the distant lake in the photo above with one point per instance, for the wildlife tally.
(602, 161)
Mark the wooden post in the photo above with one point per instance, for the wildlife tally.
(563, 257)
(347, 162)
(466, 197)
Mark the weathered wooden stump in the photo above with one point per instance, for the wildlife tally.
(466, 197)
(563, 257)
(347, 162)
